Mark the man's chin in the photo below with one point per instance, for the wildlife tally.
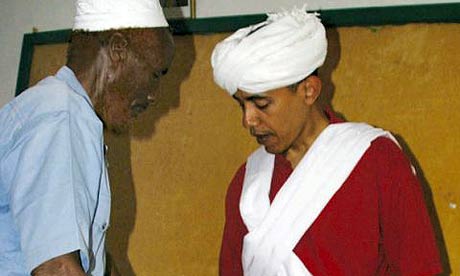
(272, 149)
(119, 128)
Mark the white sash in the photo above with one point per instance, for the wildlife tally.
(274, 230)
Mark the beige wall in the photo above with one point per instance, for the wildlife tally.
(169, 179)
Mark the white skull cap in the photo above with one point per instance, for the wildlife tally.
(102, 15)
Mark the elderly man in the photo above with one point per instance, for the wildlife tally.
(54, 191)
(320, 196)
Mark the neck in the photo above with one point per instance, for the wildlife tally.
(92, 74)
(88, 78)
(307, 137)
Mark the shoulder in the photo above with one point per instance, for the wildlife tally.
(385, 150)
(50, 104)
(40, 105)
(237, 181)
(47, 96)
(389, 164)
(257, 159)
(236, 185)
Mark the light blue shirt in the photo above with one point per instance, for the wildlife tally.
(54, 189)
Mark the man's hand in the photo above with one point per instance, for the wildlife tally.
(111, 268)
(68, 265)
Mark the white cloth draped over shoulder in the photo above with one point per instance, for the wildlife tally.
(274, 230)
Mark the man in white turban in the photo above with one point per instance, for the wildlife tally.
(54, 189)
(320, 196)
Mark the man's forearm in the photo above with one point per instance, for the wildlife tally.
(111, 268)
(68, 265)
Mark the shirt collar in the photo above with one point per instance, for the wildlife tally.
(332, 116)
(67, 75)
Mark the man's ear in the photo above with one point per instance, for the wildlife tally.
(110, 60)
(118, 48)
(310, 89)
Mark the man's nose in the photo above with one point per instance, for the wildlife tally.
(250, 116)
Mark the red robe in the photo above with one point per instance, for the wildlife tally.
(376, 224)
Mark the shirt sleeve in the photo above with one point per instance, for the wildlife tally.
(42, 173)
(234, 229)
(408, 238)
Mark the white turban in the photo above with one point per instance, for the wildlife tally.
(278, 52)
(101, 15)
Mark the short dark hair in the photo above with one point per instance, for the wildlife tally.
(294, 86)
(84, 46)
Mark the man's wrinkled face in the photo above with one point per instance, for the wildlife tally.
(136, 85)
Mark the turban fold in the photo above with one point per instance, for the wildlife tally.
(101, 15)
(280, 51)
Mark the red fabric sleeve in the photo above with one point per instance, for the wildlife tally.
(407, 234)
(234, 229)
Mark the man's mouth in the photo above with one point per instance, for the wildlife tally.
(261, 138)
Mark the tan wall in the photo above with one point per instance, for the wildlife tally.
(169, 179)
